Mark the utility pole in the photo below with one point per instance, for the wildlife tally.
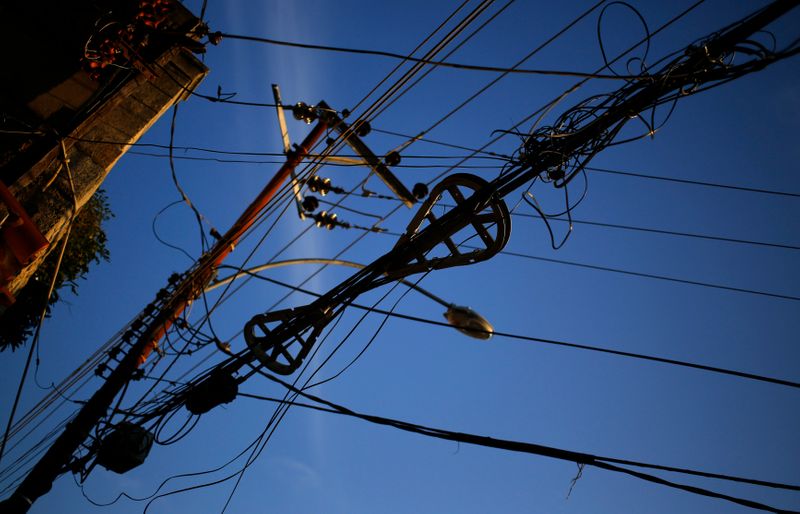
(53, 463)
(280, 340)
(479, 206)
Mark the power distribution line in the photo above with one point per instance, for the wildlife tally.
(694, 182)
(520, 174)
(442, 64)
(651, 230)
(577, 346)
(652, 276)
(607, 463)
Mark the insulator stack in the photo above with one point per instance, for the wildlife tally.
(317, 184)
(328, 220)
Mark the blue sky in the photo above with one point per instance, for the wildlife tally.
(743, 133)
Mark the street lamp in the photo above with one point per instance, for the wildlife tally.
(463, 319)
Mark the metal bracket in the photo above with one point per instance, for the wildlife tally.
(272, 348)
(490, 220)
(378, 167)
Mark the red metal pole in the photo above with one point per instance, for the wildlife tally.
(201, 276)
(248, 217)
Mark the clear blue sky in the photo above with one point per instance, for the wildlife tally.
(744, 133)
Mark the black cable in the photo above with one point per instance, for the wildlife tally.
(600, 170)
(308, 385)
(333, 164)
(277, 420)
(620, 353)
(693, 182)
(682, 234)
(635, 273)
(199, 217)
(443, 64)
(279, 416)
(34, 346)
(160, 239)
(600, 37)
(256, 443)
(494, 81)
(487, 155)
(451, 52)
(627, 462)
(655, 231)
(407, 76)
(279, 413)
(155, 494)
(555, 453)
(443, 143)
(349, 209)
(650, 275)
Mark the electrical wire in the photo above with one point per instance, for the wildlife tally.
(451, 52)
(154, 230)
(537, 449)
(620, 353)
(693, 182)
(635, 273)
(209, 313)
(656, 231)
(471, 98)
(651, 276)
(198, 216)
(488, 155)
(443, 64)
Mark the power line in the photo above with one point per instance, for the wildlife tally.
(658, 231)
(577, 346)
(705, 474)
(649, 275)
(334, 164)
(46, 299)
(693, 182)
(487, 155)
(601, 170)
(451, 52)
(256, 451)
(339, 409)
(634, 273)
(443, 64)
(608, 463)
(471, 98)
(441, 143)
(208, 316)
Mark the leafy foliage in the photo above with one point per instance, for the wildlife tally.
(86, 245)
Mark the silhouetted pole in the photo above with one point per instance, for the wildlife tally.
(53, 463)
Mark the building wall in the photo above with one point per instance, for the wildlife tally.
(121, 117)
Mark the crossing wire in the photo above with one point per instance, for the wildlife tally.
(650, 275)
(693, 182)
(407, 75)
(529, 117)
(443, 64)
(608, 463)
(555, 342)
(655, 230)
